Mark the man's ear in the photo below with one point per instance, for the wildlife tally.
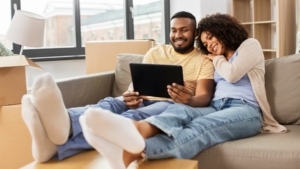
(196, 32)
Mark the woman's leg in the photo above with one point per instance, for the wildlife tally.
(235, 119)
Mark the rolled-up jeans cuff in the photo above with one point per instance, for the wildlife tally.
(159, 124)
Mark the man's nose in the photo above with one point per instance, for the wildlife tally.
(178, 34)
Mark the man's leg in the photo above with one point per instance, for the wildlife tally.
(148, 109)
(42, 147)
(77, 141)
(49, 105)
(55, 119)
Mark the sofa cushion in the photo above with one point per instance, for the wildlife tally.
(122, 72)
(264, 151)
(283, 88)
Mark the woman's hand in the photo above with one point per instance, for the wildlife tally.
(132, 99)
(180, 94)
(210, 56)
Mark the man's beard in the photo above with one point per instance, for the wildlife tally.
(183, 50)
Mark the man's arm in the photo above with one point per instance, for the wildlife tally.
(204, 93)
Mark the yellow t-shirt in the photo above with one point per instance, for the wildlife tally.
(194, 65)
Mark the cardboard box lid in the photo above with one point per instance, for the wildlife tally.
(20, 60)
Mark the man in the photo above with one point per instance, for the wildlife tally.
(55, 130)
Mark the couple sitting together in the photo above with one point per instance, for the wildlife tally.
(223, 99)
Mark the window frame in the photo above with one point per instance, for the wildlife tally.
(78, 52)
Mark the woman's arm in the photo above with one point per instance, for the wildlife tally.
(249, 55)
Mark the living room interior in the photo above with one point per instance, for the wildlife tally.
(107, 40)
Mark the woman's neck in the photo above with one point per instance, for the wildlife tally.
(229, 54)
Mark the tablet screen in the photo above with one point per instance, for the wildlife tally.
(152, 79)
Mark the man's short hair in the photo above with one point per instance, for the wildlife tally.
(184, 14)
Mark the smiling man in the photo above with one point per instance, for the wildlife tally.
(60, 133)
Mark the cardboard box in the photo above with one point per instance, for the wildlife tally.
(101, 56)
(13, 78)
(15, 140)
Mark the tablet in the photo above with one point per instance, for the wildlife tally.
(152, 79)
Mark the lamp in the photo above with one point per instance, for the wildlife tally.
(26, 29)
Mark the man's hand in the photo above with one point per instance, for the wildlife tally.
(180, 94)
(132, 99)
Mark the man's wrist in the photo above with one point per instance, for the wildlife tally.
(190, 101)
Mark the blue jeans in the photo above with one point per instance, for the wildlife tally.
(77, 143)
(189, 130)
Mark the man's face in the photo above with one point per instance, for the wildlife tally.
(182, 35)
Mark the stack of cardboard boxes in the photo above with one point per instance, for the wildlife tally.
(15, 140)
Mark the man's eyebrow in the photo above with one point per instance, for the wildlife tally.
(180, 27)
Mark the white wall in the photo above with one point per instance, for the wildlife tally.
(70, 68)
(215, 6)
(192, 6)
(200, 8)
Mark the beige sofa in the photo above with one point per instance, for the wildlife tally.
(264, 151)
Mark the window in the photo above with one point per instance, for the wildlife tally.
(59, 30)
(5, 21)
(101, 19)
(147, 19)
(72, 23)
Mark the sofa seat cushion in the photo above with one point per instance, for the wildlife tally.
(264, 151)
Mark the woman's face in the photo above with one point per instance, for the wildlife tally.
(212, 44)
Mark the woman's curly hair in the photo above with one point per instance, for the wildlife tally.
(225, 28)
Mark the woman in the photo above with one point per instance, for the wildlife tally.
(239, 108)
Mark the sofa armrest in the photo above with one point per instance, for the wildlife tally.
(87, 89)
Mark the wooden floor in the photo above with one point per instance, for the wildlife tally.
(92, 160)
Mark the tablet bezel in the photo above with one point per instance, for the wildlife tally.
(152, 79)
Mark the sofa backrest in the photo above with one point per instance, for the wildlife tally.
(282, 80)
